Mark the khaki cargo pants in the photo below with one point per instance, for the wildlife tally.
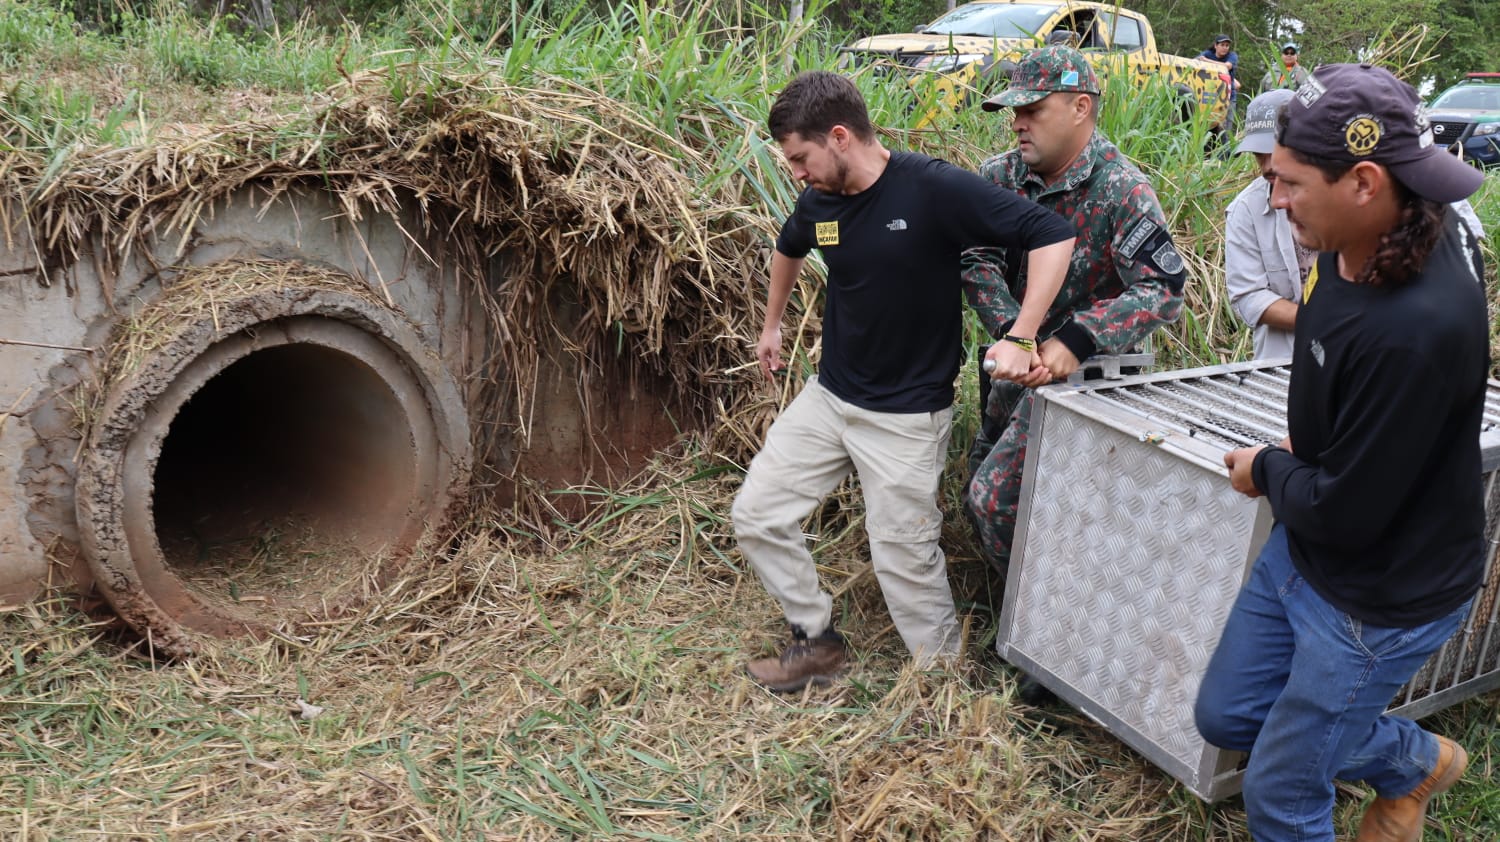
(899, 458)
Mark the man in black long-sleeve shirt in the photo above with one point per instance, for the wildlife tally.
(1378, 546)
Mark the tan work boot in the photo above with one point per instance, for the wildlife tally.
(1400, 819)
(818, 660)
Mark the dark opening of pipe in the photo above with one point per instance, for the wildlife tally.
(285, 470)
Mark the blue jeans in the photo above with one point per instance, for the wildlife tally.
(1303, 687)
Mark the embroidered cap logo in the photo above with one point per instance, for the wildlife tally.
(1362, 135)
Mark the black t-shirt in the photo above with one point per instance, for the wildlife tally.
(1381, 498)
(893, 319)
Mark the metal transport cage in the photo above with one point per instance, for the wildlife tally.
(1131, 547)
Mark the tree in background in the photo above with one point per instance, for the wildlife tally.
(1459, 39)
(881, 16)
(1468, 43)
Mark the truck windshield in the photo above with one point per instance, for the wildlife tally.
(993, 20)
(1476, 98)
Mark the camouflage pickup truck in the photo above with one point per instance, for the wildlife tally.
(974, 47)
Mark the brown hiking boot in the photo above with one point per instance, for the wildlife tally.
(818, 660)
(1400, 819)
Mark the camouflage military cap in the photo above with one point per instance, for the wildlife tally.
(1046, 71)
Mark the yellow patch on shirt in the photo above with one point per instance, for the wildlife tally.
(1312, 281)
(828, 233)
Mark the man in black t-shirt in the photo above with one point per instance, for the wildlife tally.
(892, 227)
(1378, 546)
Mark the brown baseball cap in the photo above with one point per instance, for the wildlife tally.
(1358, 112)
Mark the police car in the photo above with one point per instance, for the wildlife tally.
(1466, 119)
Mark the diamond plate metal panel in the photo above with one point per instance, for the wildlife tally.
(1132, 622)
(1131, 547)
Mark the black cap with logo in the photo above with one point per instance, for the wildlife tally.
(1358, 112)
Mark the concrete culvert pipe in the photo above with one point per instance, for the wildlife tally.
(275, 447)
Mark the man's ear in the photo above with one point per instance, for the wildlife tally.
(840, 135)
(1369, 179)
(1084, 105)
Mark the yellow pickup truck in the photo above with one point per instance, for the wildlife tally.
(973, 48)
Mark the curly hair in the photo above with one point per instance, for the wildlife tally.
(1404, 249)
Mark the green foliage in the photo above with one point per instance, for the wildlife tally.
(1345, 28)
(205, 54)
(101, 15)
(1146, 123)
(46, 116)
(1467, 42)
(1460, 33)
(26, 27)
(208, 52)
(882, 16)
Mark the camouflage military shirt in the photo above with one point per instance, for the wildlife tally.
(1126, 276)
(1125, 280)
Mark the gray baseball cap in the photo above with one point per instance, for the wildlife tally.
(1260, 121)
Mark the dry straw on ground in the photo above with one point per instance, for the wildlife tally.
(586, 687)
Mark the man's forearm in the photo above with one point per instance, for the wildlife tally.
(1281, 315)
(784, 272)
(1046, 269)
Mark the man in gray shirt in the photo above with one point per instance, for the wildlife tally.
(1264, 267)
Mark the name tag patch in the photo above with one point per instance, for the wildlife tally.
(827, 233)
(1138, 237)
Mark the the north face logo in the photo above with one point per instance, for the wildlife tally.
(896, 225)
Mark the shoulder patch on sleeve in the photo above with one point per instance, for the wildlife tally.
(1160, 255)
(1167, 259)
(1143, 231)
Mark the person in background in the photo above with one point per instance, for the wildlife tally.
(1125, 279)
(1264, 265)
(1222, 51)
(1290, 75)
(1378, 545)
(892, 228)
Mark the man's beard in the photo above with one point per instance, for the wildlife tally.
(839, 182)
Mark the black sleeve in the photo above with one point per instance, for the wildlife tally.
(984, 214)
(793, 241)
(1377, 450)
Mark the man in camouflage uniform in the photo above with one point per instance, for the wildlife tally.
(1124, 281)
